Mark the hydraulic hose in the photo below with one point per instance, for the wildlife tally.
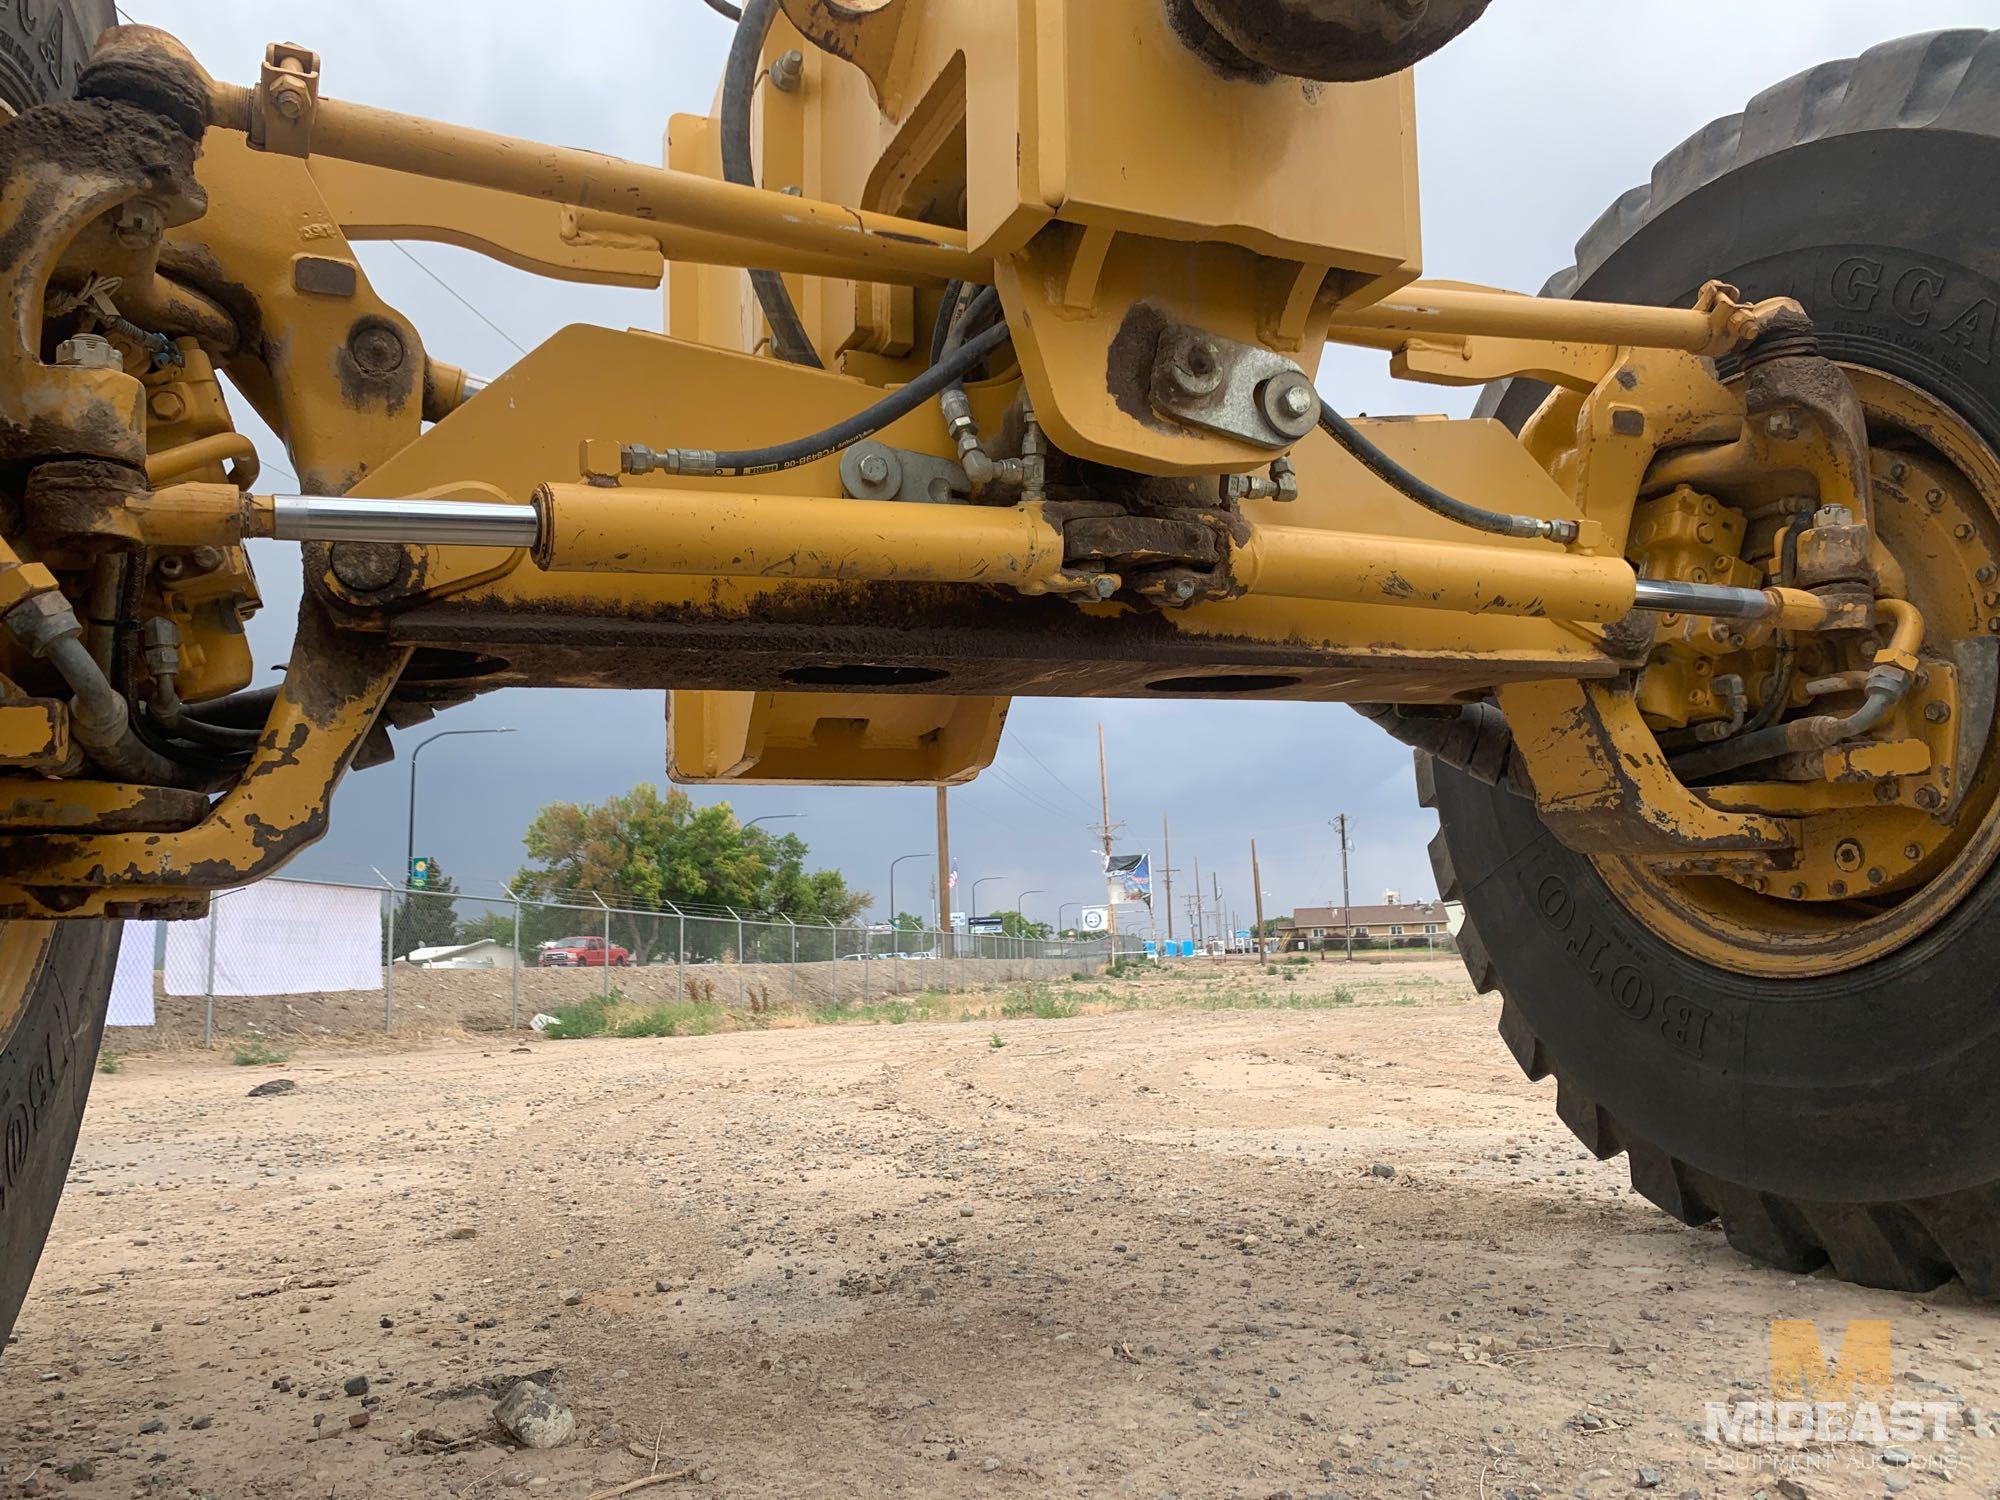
(724, 9)
(789, 338)
(742, 463)
(1431, 498)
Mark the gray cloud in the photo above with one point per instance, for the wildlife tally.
(1528, 128)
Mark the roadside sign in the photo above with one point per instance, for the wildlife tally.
(1097, 919)
(420, 872)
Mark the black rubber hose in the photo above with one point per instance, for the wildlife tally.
(1795, 735)
(789, 338)
(1432, 499)
(790, 455)
(947, 315)
(724, 8)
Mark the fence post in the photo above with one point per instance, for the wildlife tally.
(833, 961)
(680, 951)
(606, 965)
(208, 1011)
(389, 972)
(514, 1005)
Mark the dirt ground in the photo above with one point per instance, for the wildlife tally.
(1174, 1245)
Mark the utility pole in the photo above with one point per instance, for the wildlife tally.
(943, 875)
(1257, 886)
(1200, 915)
(1107, 828)
(1215, 880)
(1346, 908)
(1167, 872)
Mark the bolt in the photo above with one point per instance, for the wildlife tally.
(1782, 424)
(1704, 533)
(1296, 401)
(1992, 598)
(1928, 798)
(874, 467)
(1289, 403)
(1913, 852)
(1934, 498)
(1183, 589)
(205, 559)
(167, 406)
(1885, 791)
(1847, 854)
(1993, 624)
(1796, 891)
(1875, 875)
(1104, 585)
(1193, 364)
(1937, 711)
(170, 568)
(1898, 469)
(1836, 888)
(1984, 573)
(288, 98)
(1962, 531)
(366, 566)
(787, 70)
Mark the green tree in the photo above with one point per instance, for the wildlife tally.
(659, 851)
(427, 919)
(1015, 925)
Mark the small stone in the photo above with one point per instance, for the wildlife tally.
(463, 1232)
(572, 1296)
(155, 1425)
(357, 1385)
(202, 1424)
(1971, 1362)
(662, 1286)
(1416, 1359)
(533, 1417)
(1791, 1489)
(1895, 1484)
(1649, 1479)
(1382, 1169)
(1896, 1458)
(272, 1086)
(990, 1465)
(514, 1479)
(78, 1470)
(357, 1419)
(965, 1212)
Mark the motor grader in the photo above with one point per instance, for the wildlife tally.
(991, 336)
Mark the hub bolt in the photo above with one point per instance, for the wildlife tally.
(1913, 852)
(1984, 573)
(1928, 798)
(874, 468)
(1847, 854)
(1836, 888)
(1937, 711)
(1875, 876)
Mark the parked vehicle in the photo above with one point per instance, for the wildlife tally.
(583, 953)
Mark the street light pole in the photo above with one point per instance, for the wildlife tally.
(767, 818)
(1065, 906)
(1021, 906)
(982, 880)
(410, 844)
(893, 929)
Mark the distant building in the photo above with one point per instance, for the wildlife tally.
(484, 954)
(1390, 924)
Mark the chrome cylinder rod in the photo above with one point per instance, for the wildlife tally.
(436, 523)
(1713, 599)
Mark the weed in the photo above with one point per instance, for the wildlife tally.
(996, 1041)
(1035, 1000)
(110, 1062)
(256, 1053)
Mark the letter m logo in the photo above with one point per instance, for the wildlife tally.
(1800, 1370)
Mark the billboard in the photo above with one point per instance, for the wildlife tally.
(1131, 878)
(1096, 919)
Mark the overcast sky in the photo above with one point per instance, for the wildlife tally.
(1530, 125)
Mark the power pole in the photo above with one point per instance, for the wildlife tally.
(1225, 933)
(1107, 828)
(1346, 908)
(1167, 872)
(1200, 914)
(1257, 885)
(943, 875)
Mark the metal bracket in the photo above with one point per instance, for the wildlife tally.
(1239, 390)
(286, 98)
(874, 471)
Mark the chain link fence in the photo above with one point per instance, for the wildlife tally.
(300, 959)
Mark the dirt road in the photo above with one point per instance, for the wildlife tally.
(1147, 1252)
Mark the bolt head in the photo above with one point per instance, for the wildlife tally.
(1985, 573)
(289, 100)
(1913, 852)
(1184, 588)
(874, 468)
(1898, 469)
(1796, 891)
(1836, 888)
(1289, 403)
(1937, 711)
(1104, 585)
(1847, 854)
(1928, 798)
(1296, 401)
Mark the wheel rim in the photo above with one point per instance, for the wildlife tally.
(1938, 512)
(23, 948)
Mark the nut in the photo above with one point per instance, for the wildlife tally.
(1289, 403)
(874, 468)
(1928, 798)
(1937, 711)
(89, 351)
(1847, 854)
(288, 98)
(787, 70)
(1104, 585)
(1191, 364)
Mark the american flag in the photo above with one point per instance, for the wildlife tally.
(951, 880)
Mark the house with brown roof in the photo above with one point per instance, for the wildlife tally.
(1392, 923)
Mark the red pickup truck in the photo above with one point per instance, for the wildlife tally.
(583, 953)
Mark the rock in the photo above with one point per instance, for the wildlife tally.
(155, 1425)
(77, 1470)
(1896, 1458)
(463, 1232)
(357, 1385)
(533, 1417)
(1649, 1479)
(662, 1286)
(357, 1419)
(202, 1424)
(1971, 1362)
(272, 1086)
(1382, 1169)
(1791, 1489)
(1895, 1484)
(1416, 1359)
(572, 1296)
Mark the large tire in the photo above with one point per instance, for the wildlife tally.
(55, 979)
(1849, 1118)
(44, 45)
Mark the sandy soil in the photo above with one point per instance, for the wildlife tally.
(1152, 1251)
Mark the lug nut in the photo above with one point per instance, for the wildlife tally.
(1928, 798)
(1875, 875)
(1937, 711)
(1836, 888)
(1847, 854)
(1913, 852)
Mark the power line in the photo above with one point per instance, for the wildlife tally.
(407, 255)
(1025, 750)
(1028, 794)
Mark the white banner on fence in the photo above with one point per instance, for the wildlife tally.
(279, 937)
(132, 980)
